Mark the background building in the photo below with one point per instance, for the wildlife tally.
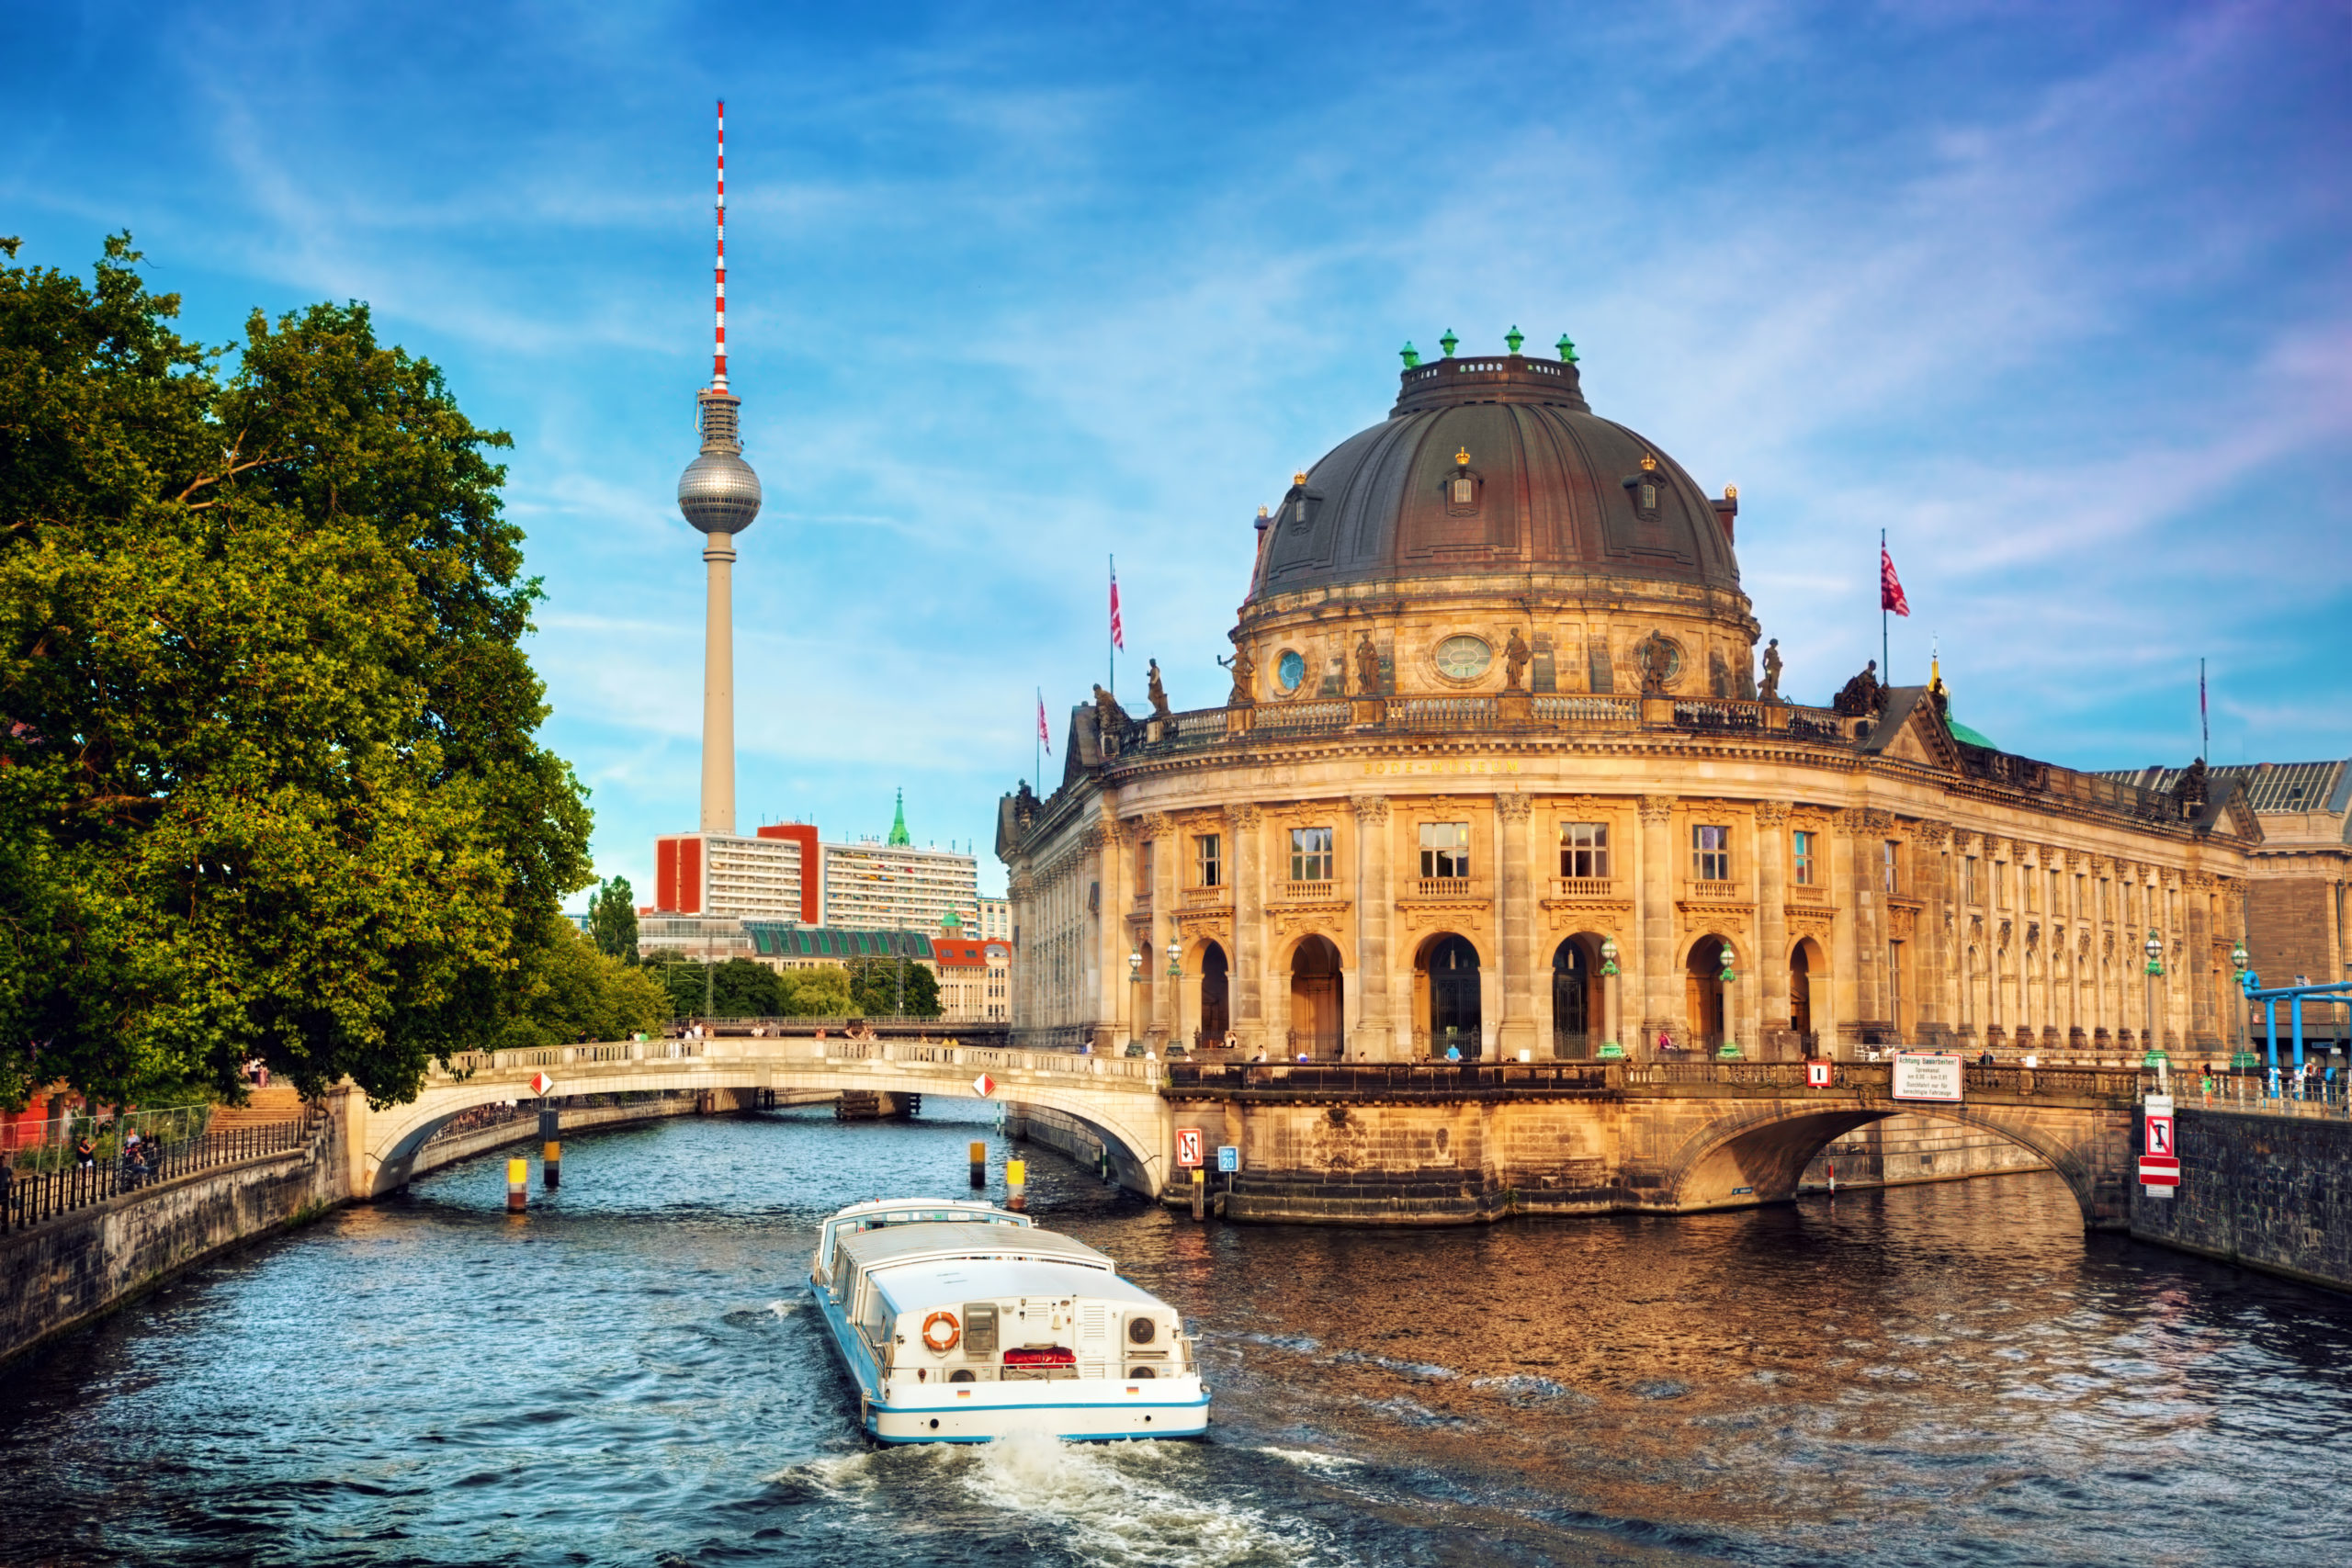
(769, 876)
(1496, 775)
(890, 884)
(975, 974)
(996, 917)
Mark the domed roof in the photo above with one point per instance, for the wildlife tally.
(1495, 465)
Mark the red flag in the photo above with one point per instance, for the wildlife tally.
(1044, 736)
(1890, 588)
(1118, 629)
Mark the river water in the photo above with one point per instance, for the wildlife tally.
(1936, 1375)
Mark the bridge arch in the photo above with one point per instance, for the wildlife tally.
(1756, 1154)
(1116, 1098)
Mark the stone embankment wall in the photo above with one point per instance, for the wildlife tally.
(1906, 1149)
(2270, 1193)
(77, 1267)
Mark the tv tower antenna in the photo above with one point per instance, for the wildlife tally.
(720, 495)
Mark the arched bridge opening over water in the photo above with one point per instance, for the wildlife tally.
(1116, 1098)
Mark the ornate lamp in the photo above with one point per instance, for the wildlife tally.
(2155, 948)
(1610, 1050)
(1175, 953)
(2247, 980)
(1729, 1050)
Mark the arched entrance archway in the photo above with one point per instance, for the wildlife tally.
(1216, 1013)
(1317, 996)
(1449, 979)
(1703, 992)
(1579, 1007)
(1806, 965)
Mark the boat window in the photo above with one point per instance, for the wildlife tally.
(980, 1328)
(877, 1319)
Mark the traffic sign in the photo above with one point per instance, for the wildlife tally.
(1816, 1074)
(1188, 1147)
(984, 1086)
(1229, 1159)
(542, 1084)
(2159, 1135)
(2159, 1170)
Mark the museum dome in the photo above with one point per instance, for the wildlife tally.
(1492, 467)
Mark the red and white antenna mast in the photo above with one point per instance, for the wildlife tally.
(718, 355)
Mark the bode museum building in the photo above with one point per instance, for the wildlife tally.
(1496, 775)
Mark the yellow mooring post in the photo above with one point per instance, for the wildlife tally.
(1200, 1193)
(980, 1165)
(1016, 1185)
(518, 1185)
(551, 1164)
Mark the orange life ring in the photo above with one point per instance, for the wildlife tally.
(954, 1331)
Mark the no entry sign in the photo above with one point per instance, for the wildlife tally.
(2159, 1170)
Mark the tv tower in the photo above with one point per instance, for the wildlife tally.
(720, 495)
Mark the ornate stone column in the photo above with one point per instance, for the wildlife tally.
(1869, 828)
(1931, 937)
(1375, 911)
(1246, 974)
(1116, 1008)
(1160, 831)
(1655, 914)
(1515, 912)
(1769, 962)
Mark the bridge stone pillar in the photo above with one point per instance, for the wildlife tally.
(1375, 911)
(1247, 972)
(1770, 962)
(1515, 919)
(1660, 987)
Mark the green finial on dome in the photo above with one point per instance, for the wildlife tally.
(900, 837)
(1412, 356)
(1567, 350)
(1514, 337)
(1447, 342)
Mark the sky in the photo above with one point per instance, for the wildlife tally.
(2055, 295)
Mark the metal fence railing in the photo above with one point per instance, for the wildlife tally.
(2254, 1093)
(29, 1198)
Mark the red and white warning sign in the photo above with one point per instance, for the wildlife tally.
(2159, 1170)
(1188, 1147)
(984, 1086)
(542, 1084)
(2160, 1164)
(1816, 1074)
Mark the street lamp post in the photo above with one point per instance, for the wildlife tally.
(2238, 961)
(1610, 1050)
(1175, 990)
(1729, 1050)
(2155, 1056)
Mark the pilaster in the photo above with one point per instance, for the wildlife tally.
(1771, 961)
(1377, 1036)
(1660, 1010)
(1246, 976)
(1516, 916)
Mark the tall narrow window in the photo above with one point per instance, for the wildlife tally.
(1890, 867)
(1143, 867)
(1711, 853)
(1968, 879)
(1310, 854)
(1208, 860)
(1584, 850)
(1445, 849)
(1801, 846)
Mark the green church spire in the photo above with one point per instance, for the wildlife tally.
(898, 837)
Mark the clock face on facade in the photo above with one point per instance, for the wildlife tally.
(1464, 657)
(1290, 669)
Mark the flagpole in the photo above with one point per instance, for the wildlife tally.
(2204, 724)
(1111, 642)
(1038, 747)
(1885, 664)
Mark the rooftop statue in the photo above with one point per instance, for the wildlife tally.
(1516, 654)
(1245, 676)
(1368, 683)
(1157, 693)
(1772, 691)
(1862, 695)
(1655, 657)
(2193, 790)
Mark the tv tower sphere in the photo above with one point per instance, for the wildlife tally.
(718, 493)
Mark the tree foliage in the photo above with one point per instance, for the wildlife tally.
(741, 988)
(612, 919)
(565, 991)
(875, 985)
(269, 775)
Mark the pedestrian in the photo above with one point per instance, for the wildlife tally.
(8, 1183)
(1453, 1052)
(1985, 1060)
(86, 1153)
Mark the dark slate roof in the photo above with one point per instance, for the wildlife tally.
(2269, 786)
(782, 938)
(1550, 495)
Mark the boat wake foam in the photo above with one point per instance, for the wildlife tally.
(1129, 1505)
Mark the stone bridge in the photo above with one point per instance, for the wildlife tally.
(1422, 1144)
(1116, 1098)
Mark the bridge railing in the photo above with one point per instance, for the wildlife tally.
(790, 1050)
(465, 1062)
(1557, 1077)
(27, 1200)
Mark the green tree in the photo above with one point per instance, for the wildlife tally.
(875, 985)
(269, 775)
(566, 990)
(819, 991)
(612, 919)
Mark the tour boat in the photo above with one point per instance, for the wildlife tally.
(961, 1323)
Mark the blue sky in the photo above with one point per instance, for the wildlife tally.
(2056, 294)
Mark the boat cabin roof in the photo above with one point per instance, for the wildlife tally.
(917, 1286)
(897, 1245)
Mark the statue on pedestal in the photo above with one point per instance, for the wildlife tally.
(1516, 654)
(1367, 667)
(1862, 695)
(1772, 691)
(1157, 693)
(1245, 676)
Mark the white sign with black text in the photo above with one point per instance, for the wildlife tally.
(1924, 1074)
